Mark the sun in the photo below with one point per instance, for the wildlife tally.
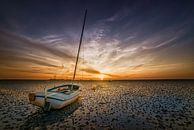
(101, 76)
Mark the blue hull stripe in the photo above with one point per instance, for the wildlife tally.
(51, 98)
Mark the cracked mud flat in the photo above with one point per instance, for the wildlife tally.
(102, 105)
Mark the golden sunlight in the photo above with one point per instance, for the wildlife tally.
(101, 76)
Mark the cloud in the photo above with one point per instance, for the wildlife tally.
(90, 70)
(137, 67)
(119, 15)
(21, 54)
(17, 42)
(94, 71)
(129, 46)
(8, 59)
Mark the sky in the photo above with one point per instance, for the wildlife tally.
(123, 40)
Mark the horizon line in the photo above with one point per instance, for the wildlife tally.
(97, 80)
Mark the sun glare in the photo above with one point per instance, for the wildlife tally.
(101, 76)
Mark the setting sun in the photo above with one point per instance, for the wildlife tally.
(101, 76)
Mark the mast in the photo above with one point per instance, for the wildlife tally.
(79, 45)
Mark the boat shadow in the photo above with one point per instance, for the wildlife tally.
(42, 119)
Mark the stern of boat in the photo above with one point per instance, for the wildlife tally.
(32, 97)
(38, 101)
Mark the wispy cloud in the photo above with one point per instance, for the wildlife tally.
(119, 15)
(26, 52)
(15, 42)
(91, 70)
(134, 50)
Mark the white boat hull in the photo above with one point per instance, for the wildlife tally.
(56, 100)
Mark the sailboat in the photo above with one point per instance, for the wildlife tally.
(62, 95)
